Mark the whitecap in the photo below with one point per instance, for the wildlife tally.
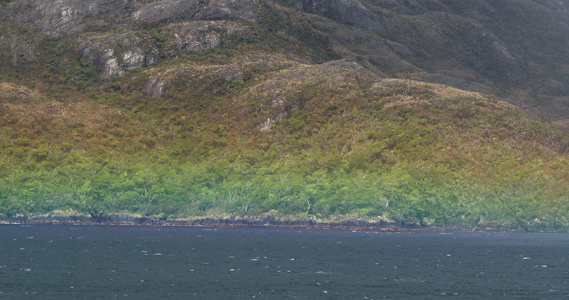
(526, 258)
(158, 254)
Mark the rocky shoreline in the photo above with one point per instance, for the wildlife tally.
(356, 225)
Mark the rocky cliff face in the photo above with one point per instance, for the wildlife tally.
(168, 11)
(67, 17)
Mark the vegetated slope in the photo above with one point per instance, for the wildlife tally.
(515, 49)
(174, 109)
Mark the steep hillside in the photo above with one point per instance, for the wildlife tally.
(414, 112)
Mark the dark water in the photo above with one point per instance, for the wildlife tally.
(101, 262)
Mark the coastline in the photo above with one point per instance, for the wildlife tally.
(355, 225)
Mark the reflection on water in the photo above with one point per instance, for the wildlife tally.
(104, 262)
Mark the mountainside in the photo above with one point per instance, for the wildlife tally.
(427, 112)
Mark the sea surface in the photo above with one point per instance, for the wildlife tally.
(139, 262)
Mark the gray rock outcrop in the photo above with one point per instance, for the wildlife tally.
(65, 17)
(199, 36)
(116, 53)
(168, 10)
